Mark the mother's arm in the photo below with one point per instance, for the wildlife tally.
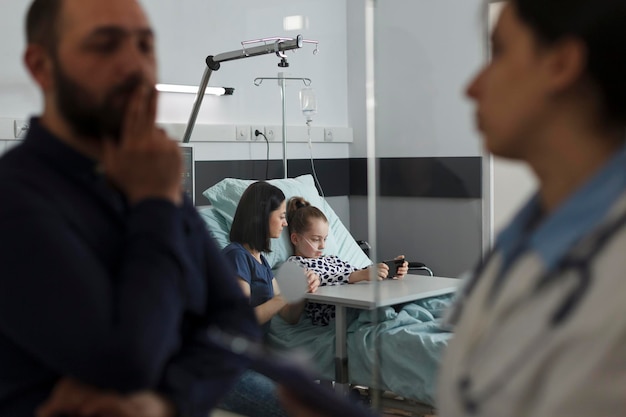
(264, 312)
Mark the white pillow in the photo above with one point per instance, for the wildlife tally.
(225, 195)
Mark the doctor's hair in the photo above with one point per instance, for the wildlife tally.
(42, 23)
(601, 26)
(299, 215)
(251, 224)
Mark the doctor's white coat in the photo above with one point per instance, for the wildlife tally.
(558, 349)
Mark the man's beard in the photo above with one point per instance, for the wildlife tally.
(87, 117)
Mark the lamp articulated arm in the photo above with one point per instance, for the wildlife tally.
(277, 46)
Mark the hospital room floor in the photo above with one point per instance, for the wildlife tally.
(222, 413)
(401, 413)
(388, 410)
(389, 413)
(394, 405)
(386, 413)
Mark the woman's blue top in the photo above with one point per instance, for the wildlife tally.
(258, 275)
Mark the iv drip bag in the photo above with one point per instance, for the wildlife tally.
(308, 103)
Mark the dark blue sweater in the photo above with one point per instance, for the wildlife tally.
(116, 296)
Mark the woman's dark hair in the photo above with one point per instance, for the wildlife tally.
(299, 215)
(601, 26)
(252, 217)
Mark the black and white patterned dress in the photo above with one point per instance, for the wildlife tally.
(332, 271)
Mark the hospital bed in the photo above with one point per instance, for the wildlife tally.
(408, 337)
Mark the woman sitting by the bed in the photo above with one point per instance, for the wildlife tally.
(308, 230)
(260, 216)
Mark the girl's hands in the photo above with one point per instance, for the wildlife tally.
(382, 271)
(313, 281)
(402, 270)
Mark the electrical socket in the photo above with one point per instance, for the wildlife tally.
(253, 137)
(328, 135)
(20, 127)
(272, 133)
(242, 133)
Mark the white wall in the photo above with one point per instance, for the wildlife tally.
(356, 75)
(18, 95)
(188, 31)
(513, 183)
(426, 52)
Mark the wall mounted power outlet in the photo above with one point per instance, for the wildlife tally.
(242, 133)
(20, 127)
(254, 137)
(328, 135)
(270, 133)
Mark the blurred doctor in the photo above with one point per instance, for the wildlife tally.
(541, 327)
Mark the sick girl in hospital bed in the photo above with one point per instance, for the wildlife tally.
(308, 230)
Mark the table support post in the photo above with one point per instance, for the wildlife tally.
(341, 351)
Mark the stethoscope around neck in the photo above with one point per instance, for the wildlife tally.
(579, 264)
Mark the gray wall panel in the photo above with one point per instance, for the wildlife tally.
(443, 233)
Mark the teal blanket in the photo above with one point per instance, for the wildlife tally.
(408, 338)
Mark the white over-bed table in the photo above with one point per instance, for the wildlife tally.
(362, 296)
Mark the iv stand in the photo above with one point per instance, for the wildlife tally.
(307, 82)
(278, 46)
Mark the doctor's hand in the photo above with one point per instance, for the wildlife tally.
(313, 281)
(145, 162)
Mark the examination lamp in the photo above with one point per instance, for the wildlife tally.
(176, 88)
(271, 45)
